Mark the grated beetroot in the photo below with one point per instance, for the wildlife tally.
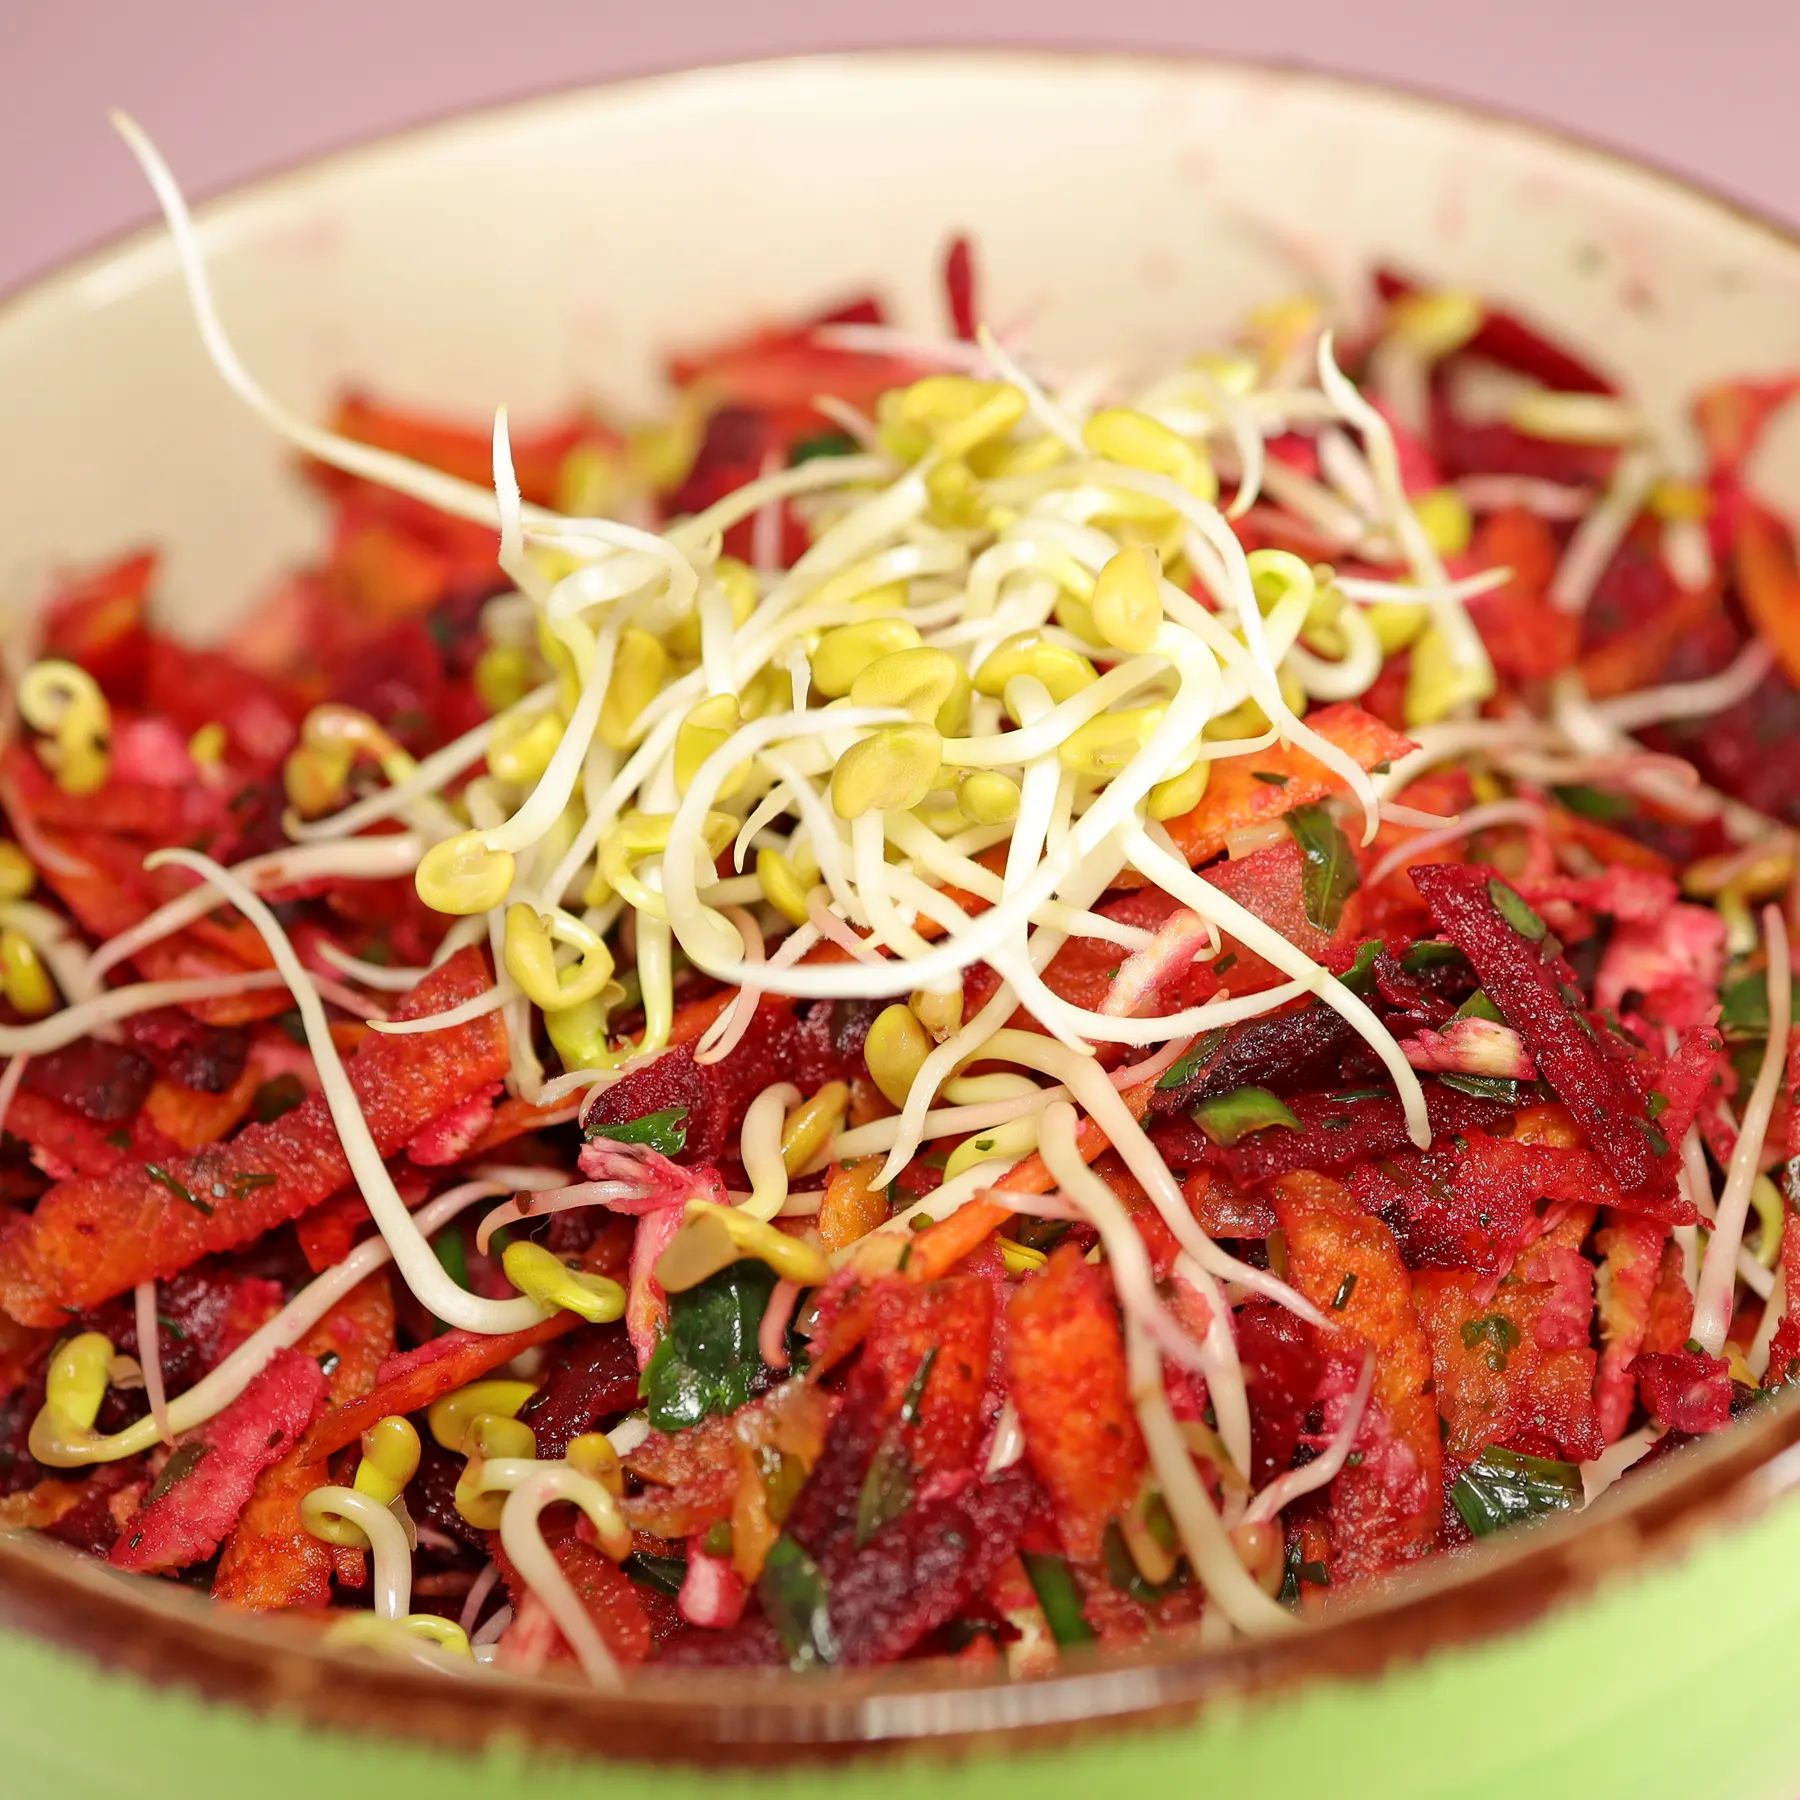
(1335, 1133)
(206, 1058)
(1476, 1201)
(102, 1082)
(593, 1379)
(1685, 1390)
(190, 1518)
(825, 1045)
(1536, 995)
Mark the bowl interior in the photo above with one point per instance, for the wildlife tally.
(1124, 210)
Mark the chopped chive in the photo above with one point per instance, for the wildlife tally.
(164, 1179)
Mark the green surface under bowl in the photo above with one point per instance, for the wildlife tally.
(1676, 1685)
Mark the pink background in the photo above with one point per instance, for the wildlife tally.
(235, 87)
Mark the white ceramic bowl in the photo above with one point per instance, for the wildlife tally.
(1129, 208)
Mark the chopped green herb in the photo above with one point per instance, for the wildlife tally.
(1179, 1073)
(1273, 777)
(295, 1026)
(718, 1539)
(328, 1363)
(920, 1222)
(783, 1475)
(248, 1181)
(1359, 978)
(1593, 803)
(1655, 1104)
(1497, 1330)
(1226, 963)
(164, 1179)
(1479, 1006)
(887, 1488)
(1504, 1487)
(1346, 1288)
(1744, 1001)
(664, 1131)
(120, 1139)
(1124, 1573)
(1515, 910)
(1430, 953)
(1332, 873)
(796, 1602)
(276, 1097)
(1347, 1096)
(984, 1143)
(664, 1573)
(1057, 1595)
(1295, 1569)
(707, 1360)
(181, 1464)
(824, 443)
(175, 1330)
(1227, 1117)
(1487, 1087)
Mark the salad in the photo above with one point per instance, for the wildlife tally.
(935, 1007)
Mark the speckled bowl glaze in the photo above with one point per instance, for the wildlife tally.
(1127, 207)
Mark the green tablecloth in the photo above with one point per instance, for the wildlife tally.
(1679, 1685)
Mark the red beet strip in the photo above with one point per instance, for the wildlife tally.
(188, 1520)
(1525, 985)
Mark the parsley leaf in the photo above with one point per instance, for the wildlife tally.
(794, 1598)
(1178, 1074)
(707, 1361)
(1503, 1487)
(664, 1131)
(1331, 874)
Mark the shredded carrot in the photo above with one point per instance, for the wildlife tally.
(194, 1120)
(1763, 554)
(940, 1247)
(471, 1357)
(1636, 657)
(852, 1206)
(1241, 792)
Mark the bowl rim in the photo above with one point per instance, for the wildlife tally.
(169, 1637)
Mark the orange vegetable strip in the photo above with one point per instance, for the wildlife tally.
(1763, 555)
(1065, 1370)
(1637, 657)
(93, 1236)
(418, 1386)
(851, 1207)
(940, 1247)
(271, 1560)
(1236, 799)
(1347, 1264)
(194, 1119)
